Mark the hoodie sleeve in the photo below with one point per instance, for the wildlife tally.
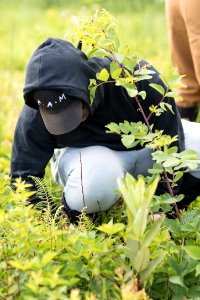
(32, 147)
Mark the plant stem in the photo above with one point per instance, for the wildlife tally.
(138, 283)
(164, 171)
(170, 191)
(143, 114)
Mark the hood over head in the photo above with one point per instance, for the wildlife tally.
(57, 65)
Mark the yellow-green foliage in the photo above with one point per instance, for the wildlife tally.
(43, 256)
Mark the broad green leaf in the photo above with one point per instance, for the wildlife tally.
(178, 176)
(152, 266)
(119, 56)
(129, 63)
(47, 257)
(151, 190)
(158, 88)
(169, 107)
(126, 186)
(128, 140)
(171, 94)
(151, 233)
(111, 228)
(142, 77)
(18, 265)
(177, 280)
(173, 226)
(103, 75)
(116, 74)
(142, 94)
(141, 260)
(125, 127)
(132, 248)
(193, 251)
(198, 270)
(144, 71)
(171, 162)
(132, 92)
(140, 221)
(113, 67)
(96, 52)
(113, 128)
(26, 265)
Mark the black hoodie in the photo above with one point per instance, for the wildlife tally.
(57, 64)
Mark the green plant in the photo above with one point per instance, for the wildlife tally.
(43, 257)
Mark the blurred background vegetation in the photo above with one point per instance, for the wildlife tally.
(27, 23)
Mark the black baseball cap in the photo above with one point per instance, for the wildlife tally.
(60, 112)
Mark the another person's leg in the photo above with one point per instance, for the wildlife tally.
(190, 186)
(182, 57)
(192, 141)
(192, 21)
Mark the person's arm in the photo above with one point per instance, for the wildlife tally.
(32, 148)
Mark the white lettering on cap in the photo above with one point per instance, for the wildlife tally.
(49, 104)
(62, 97)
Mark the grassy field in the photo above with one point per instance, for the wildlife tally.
(42, 257)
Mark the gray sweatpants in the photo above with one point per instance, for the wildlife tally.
(89, 175)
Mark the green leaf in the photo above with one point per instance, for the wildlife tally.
(132, 92)
(173, 226)
(152, 266)
(143, 94)
(113, 128)
(119, 56)
(198, 270)
(125, 127)
(111, 228)
(92, 93)
(129, 63)
(169, 107)
(178, 176)
(132, 248)
(193, 251)
(171, 162)
(116, 74)
(141, 260)
(171, 94)
(103, 75)
(96, 52)
(151, 233)
(177, 280)
(129, 141)
(18, 265)
(140, 221)
(158, 88)
(113, 67)
(144, 71)
(142, 77)
(47, 257)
